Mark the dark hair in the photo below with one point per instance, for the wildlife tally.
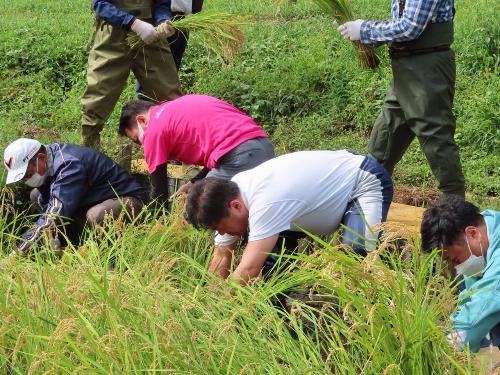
(444, 223)
(129, 111)
(208, 201)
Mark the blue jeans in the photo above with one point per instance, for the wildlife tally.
(369, 206)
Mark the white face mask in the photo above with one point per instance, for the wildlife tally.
(36, 180)
(474, 265)
(140, 136)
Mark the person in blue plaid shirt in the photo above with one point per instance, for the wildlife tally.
(420, 99)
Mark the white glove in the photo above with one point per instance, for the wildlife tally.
(456, 339)
(351, 30)
(145, 30)
(165, 30)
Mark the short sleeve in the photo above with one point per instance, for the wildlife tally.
(273, 218)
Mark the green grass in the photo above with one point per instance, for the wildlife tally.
(295, 75)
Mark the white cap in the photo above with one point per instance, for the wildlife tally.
(17, 156)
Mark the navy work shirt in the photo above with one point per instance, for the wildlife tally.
(79, 178)
(118, 18)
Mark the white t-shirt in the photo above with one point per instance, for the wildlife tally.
(181, 6)
(304, 190)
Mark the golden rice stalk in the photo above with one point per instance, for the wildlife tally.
(219, 31)
(341, 12)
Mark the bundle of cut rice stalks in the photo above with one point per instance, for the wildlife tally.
(219, 32)
(341, 12)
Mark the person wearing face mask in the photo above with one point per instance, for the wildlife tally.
(71, 183)
(470, 241)
(194, 129)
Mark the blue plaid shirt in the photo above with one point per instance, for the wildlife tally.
(412, 22)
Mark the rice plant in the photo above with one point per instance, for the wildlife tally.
(219, 32)
(341, 11)
(136, 297)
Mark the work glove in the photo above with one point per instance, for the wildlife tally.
(145, 30)
(351, 30)
(456, 339)
(165, 30)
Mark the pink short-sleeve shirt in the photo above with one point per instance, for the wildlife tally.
(196, 129)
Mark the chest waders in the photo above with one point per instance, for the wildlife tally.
(110, 63)
(419, 104)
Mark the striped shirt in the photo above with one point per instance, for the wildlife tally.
(408, 24)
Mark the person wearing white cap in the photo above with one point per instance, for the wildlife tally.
(70, 182)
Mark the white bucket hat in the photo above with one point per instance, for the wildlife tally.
(17, 156)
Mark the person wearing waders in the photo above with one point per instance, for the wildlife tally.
(111, 60)
(71, 185)
(420, 99)
(178, 41)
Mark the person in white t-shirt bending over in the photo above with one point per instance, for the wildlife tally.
(315, 191)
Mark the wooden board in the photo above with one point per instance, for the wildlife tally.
(410, 216)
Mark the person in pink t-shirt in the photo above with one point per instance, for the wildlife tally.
(194, 129)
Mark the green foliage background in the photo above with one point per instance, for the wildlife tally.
(295, 76)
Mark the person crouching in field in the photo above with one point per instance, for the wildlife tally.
(71, 183)
(316, 191)
(194, 129)
(419, 102)
(111, 60)
(470, 241)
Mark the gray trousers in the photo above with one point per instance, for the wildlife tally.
(95, 215)
(246, 156)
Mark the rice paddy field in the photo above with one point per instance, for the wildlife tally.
(136, 297)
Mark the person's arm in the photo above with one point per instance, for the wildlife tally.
(161, 10)
(159, 183)
(112, 15)
(481, 311)
(65, 194)
(416, 15)
(221, 261)
(253, 259)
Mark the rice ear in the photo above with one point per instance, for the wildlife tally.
(220, 32)
(341, 11)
